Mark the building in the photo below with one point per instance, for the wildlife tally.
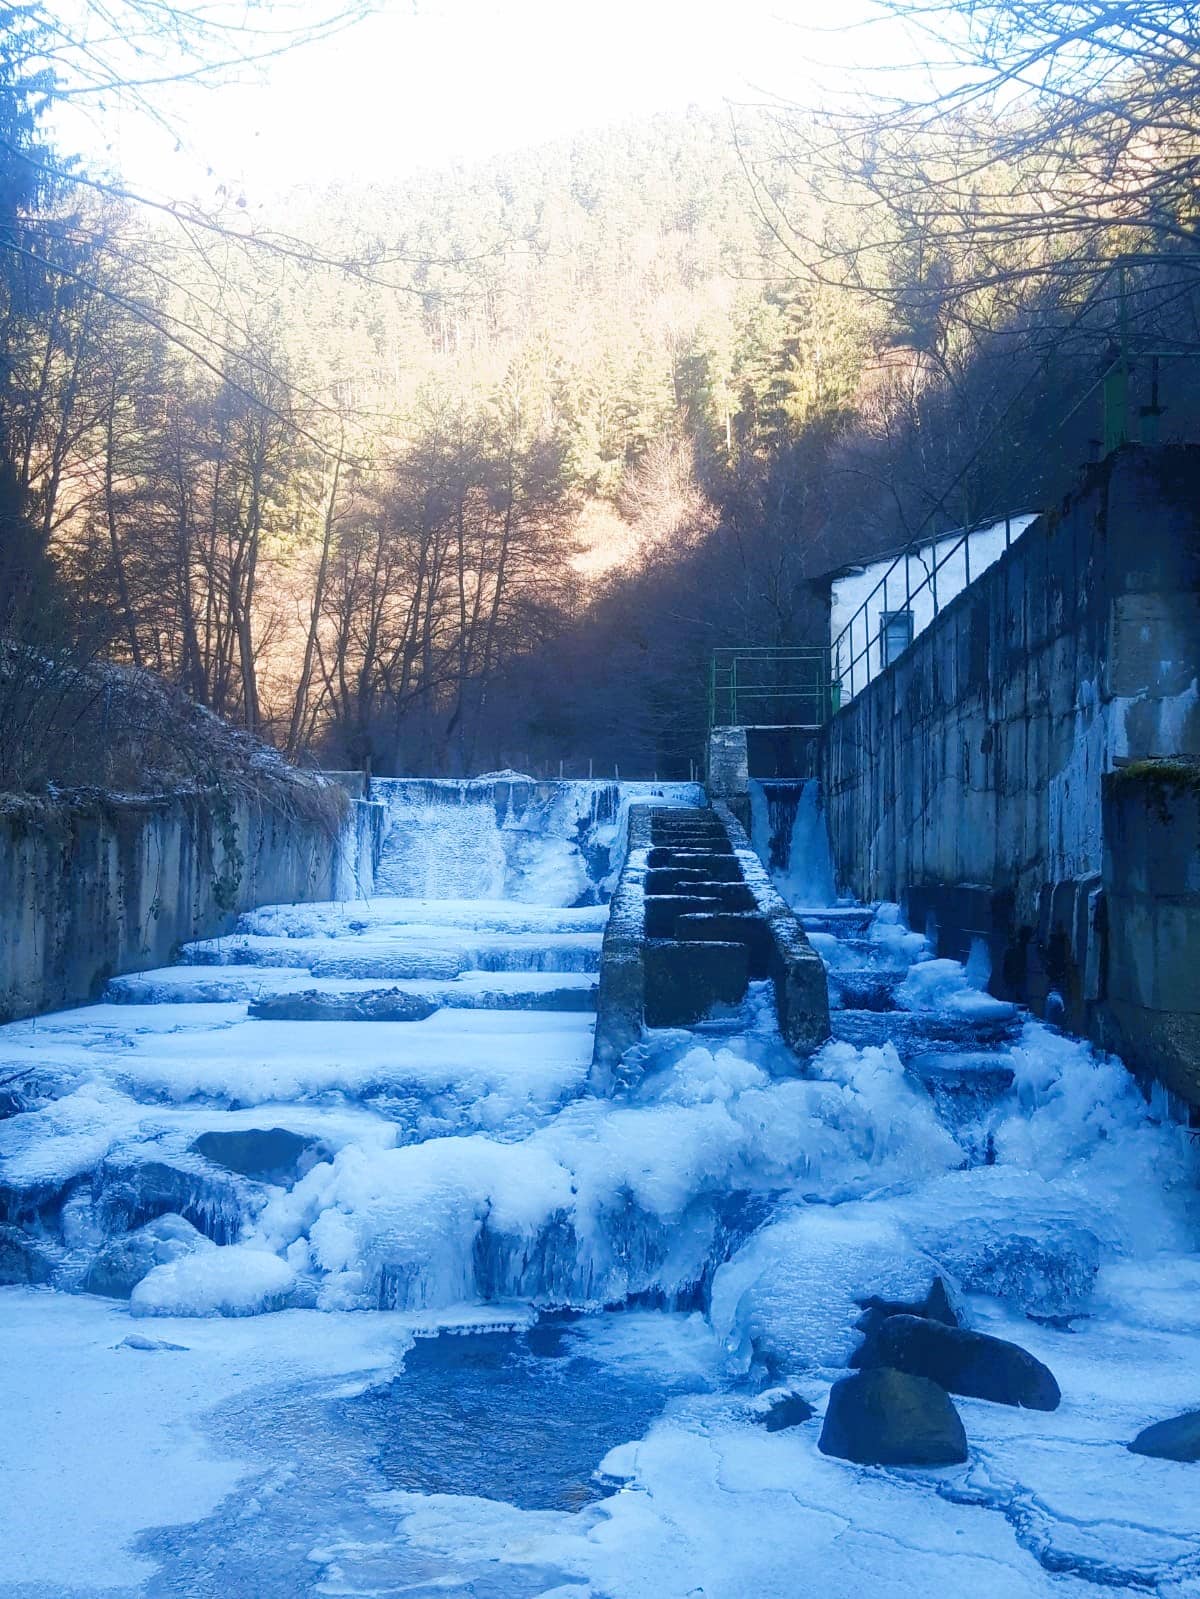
(876, 609)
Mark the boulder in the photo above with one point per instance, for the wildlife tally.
(787, 1411)
(315, 1005)
(936, 1306)
(1175, 1439)
(267, 1154)
(23, 1259)
(885, 1417)
(122, 1263)
(962, 1361)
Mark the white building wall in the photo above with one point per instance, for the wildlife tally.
(858, 600)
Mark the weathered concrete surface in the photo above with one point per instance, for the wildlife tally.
(1152, 901)
(729, 770)
(796, 970)
(621, 998)
(685, 980)
(92, 889)
(966, 779)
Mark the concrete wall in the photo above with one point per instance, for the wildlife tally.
(966, 779)
(89, 890)
(1152, 903)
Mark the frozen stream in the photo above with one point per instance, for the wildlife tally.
(396, 1307)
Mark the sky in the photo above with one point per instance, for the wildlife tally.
(432, 83)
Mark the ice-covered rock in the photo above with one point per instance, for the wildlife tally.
(793, 1294)
(1177, 1438)
(235, 1281)
(267, 1154)
(122, 1264)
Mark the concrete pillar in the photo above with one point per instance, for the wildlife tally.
(1152, 895)
(729, 770)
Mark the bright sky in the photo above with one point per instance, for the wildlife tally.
(425, 83)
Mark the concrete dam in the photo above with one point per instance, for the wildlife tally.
(600, 1190)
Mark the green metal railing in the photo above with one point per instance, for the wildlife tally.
(764, 686)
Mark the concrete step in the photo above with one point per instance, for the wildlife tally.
(915, 1034)
(203, 985)
(684, 981)
(662, 911)
(739, 927)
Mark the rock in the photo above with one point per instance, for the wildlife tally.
(962, 1361)
(788, 1411)
(267, 1154)
(23, 1259)
(137, 1341)
(314, 1005)
(234, 1281)
(122, 1263)
(1176, 1439)
(885, 1417)
(11, 1104)
(936, 1306)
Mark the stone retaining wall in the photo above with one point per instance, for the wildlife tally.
(93, 888)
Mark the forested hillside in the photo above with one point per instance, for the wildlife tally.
(475, 470)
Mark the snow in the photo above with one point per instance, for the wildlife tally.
(943, 985)
(459, 1173)
(215, 1282)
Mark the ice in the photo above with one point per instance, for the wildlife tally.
(790, 836)
(738, 1205)
(943, 985)
(234, 1281)
(509, 837)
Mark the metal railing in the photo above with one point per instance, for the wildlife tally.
(851, 669)
(766, 686)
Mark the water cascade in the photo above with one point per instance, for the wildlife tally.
(789, 832)
(380, 1106)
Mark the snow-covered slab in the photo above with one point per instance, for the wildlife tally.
(83, 1404)
(339, 918)
(239, 984)
(412, 951)
(514, 1061)
(719, 1507)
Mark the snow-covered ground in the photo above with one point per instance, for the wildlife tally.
(295, 1207)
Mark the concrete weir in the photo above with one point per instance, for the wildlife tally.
(694, 920)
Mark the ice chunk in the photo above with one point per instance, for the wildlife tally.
(943, 985)
(124, 1262)
(235, 1281)
(792, 1295)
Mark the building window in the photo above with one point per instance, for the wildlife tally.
(895, 634)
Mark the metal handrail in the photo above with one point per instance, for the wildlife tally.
(759, 685)
(838, 671)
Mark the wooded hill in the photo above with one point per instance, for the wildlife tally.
(476, 470)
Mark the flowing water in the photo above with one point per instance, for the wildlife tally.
(400, 1307)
